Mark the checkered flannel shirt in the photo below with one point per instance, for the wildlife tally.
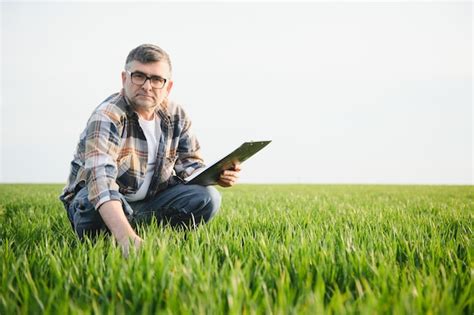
(111, 156)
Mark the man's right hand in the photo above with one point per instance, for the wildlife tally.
(130, 244)
(113, 216)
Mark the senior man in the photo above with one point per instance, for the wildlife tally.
(136, 147)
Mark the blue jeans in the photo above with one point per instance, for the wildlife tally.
(179, 205)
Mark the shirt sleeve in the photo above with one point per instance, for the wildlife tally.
(101, 151)
(189, 153)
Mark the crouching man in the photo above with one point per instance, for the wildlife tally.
(135, 147)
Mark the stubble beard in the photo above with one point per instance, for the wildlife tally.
(141, 105)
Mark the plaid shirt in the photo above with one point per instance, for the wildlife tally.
(112, 153)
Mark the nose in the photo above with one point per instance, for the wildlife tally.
(147, 84)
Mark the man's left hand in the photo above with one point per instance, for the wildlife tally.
(229, 177)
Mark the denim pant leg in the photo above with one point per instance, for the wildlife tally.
(180, 205)
(85, 219)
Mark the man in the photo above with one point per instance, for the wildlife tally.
(136, 147)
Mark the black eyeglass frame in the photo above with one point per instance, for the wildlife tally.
(147, 78)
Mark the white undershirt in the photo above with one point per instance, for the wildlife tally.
(152, 131)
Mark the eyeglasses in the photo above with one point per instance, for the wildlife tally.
(140, 78)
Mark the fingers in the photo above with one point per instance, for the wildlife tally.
(237, 167)
(228, 178)
(130, 245)
(229, 175)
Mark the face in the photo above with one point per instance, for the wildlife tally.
(144, 97)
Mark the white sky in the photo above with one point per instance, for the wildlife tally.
(349, 92)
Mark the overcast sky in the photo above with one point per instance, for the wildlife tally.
(349, 92)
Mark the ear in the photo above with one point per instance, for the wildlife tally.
(124, 78)
(169, 86)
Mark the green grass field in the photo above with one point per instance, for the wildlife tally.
(273, 249)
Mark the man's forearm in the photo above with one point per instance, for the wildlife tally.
(113, 216)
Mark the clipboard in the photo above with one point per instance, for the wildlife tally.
(210, 174)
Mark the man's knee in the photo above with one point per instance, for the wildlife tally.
(84, 218)
(214, 199)
(204, 203)
(89, 224)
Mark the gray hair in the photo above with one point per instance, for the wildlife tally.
(147, 53)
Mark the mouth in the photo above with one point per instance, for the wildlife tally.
(145, 96)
